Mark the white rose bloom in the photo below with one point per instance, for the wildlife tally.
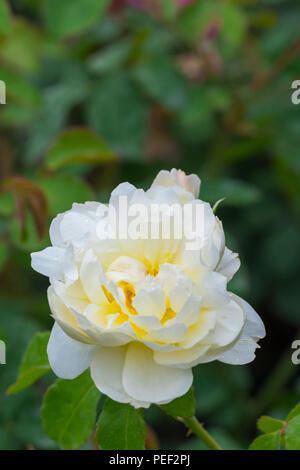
(142, 312)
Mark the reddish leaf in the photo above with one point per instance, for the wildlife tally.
(28, 195)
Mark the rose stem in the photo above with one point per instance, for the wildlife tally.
(197, 428)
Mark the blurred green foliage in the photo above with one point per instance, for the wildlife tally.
(100, 92)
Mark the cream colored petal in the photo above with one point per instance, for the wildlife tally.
(150, 298)
(49, 262)
(229, 264)
(126, 269)
(190, 183)
(213, 289)
(106, 371)
(113, 336)
(184, 358)
(243, 350)
(59, 309)
(55, 235)
(145, 380)
(68, 358)
(174, 333)
(75, 225)
(70, 302)
(230, 321)
(199, 330)
(190, 312)
(91, 274)
(145, 323)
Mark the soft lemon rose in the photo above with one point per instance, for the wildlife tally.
(141, 312)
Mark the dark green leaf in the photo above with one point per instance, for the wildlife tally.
(34, 363)
(19, 89)
(72, 16)
(163, 82)
(77, 145)
(182, 406)
(69, 411)
(117, 112)
(3, 254)
(121, 427)
(59, 199)
(110, 58)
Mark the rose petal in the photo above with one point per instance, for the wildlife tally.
(145, 380)
(106, 371)
(68, 358)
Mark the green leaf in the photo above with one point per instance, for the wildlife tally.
(19, 89)
(77, 145)
(3, 253)
(29, 241)
(163, 82)
(7, 203)
(69, 411)
(269, 441)
(117, 112)
(268, 424)
(72, 16)
(293, 434)
(58, 100)
(182, 406)
(22, 48)
(110, 58)
(121, 427)
(5, 19)
(199, 16)
(34, 364)
(292, 414)
(60, 200)
(234, 24)
(169, 9)
(15, 115)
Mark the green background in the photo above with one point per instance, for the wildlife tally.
(102, 92)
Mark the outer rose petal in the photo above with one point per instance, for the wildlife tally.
(230, 321)
(49, 262)
(229, 264)
(68, 358)
(244, 348)
(144, 379)
(106, 371)
(190, 183)
(54, 232)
